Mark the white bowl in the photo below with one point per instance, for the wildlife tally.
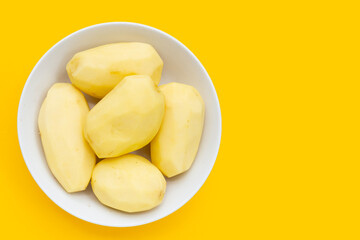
(180, 65)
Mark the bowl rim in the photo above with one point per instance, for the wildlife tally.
(58, 203)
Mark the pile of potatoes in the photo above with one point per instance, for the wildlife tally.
(133, 112)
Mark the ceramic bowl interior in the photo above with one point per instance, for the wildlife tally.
(180, 65)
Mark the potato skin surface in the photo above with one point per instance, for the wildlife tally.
(128, 183)
(61, 121)
(174, 148)
(126, 119)
(98, 70)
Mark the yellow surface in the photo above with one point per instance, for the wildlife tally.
(287, 76)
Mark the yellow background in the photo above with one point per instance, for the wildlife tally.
(287, 77)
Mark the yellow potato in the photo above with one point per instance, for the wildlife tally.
(174, 148)
(98, 70)
(61, 121)
(129, 183)
(126, 119)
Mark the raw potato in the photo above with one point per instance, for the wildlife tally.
(129, 183)
(61, 121)
(126, 119)
(98, 70)
(174, 148)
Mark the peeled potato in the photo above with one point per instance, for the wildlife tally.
(98, 70)
(174, 148)
(126, 119)
(129, 183)
(61, 121)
